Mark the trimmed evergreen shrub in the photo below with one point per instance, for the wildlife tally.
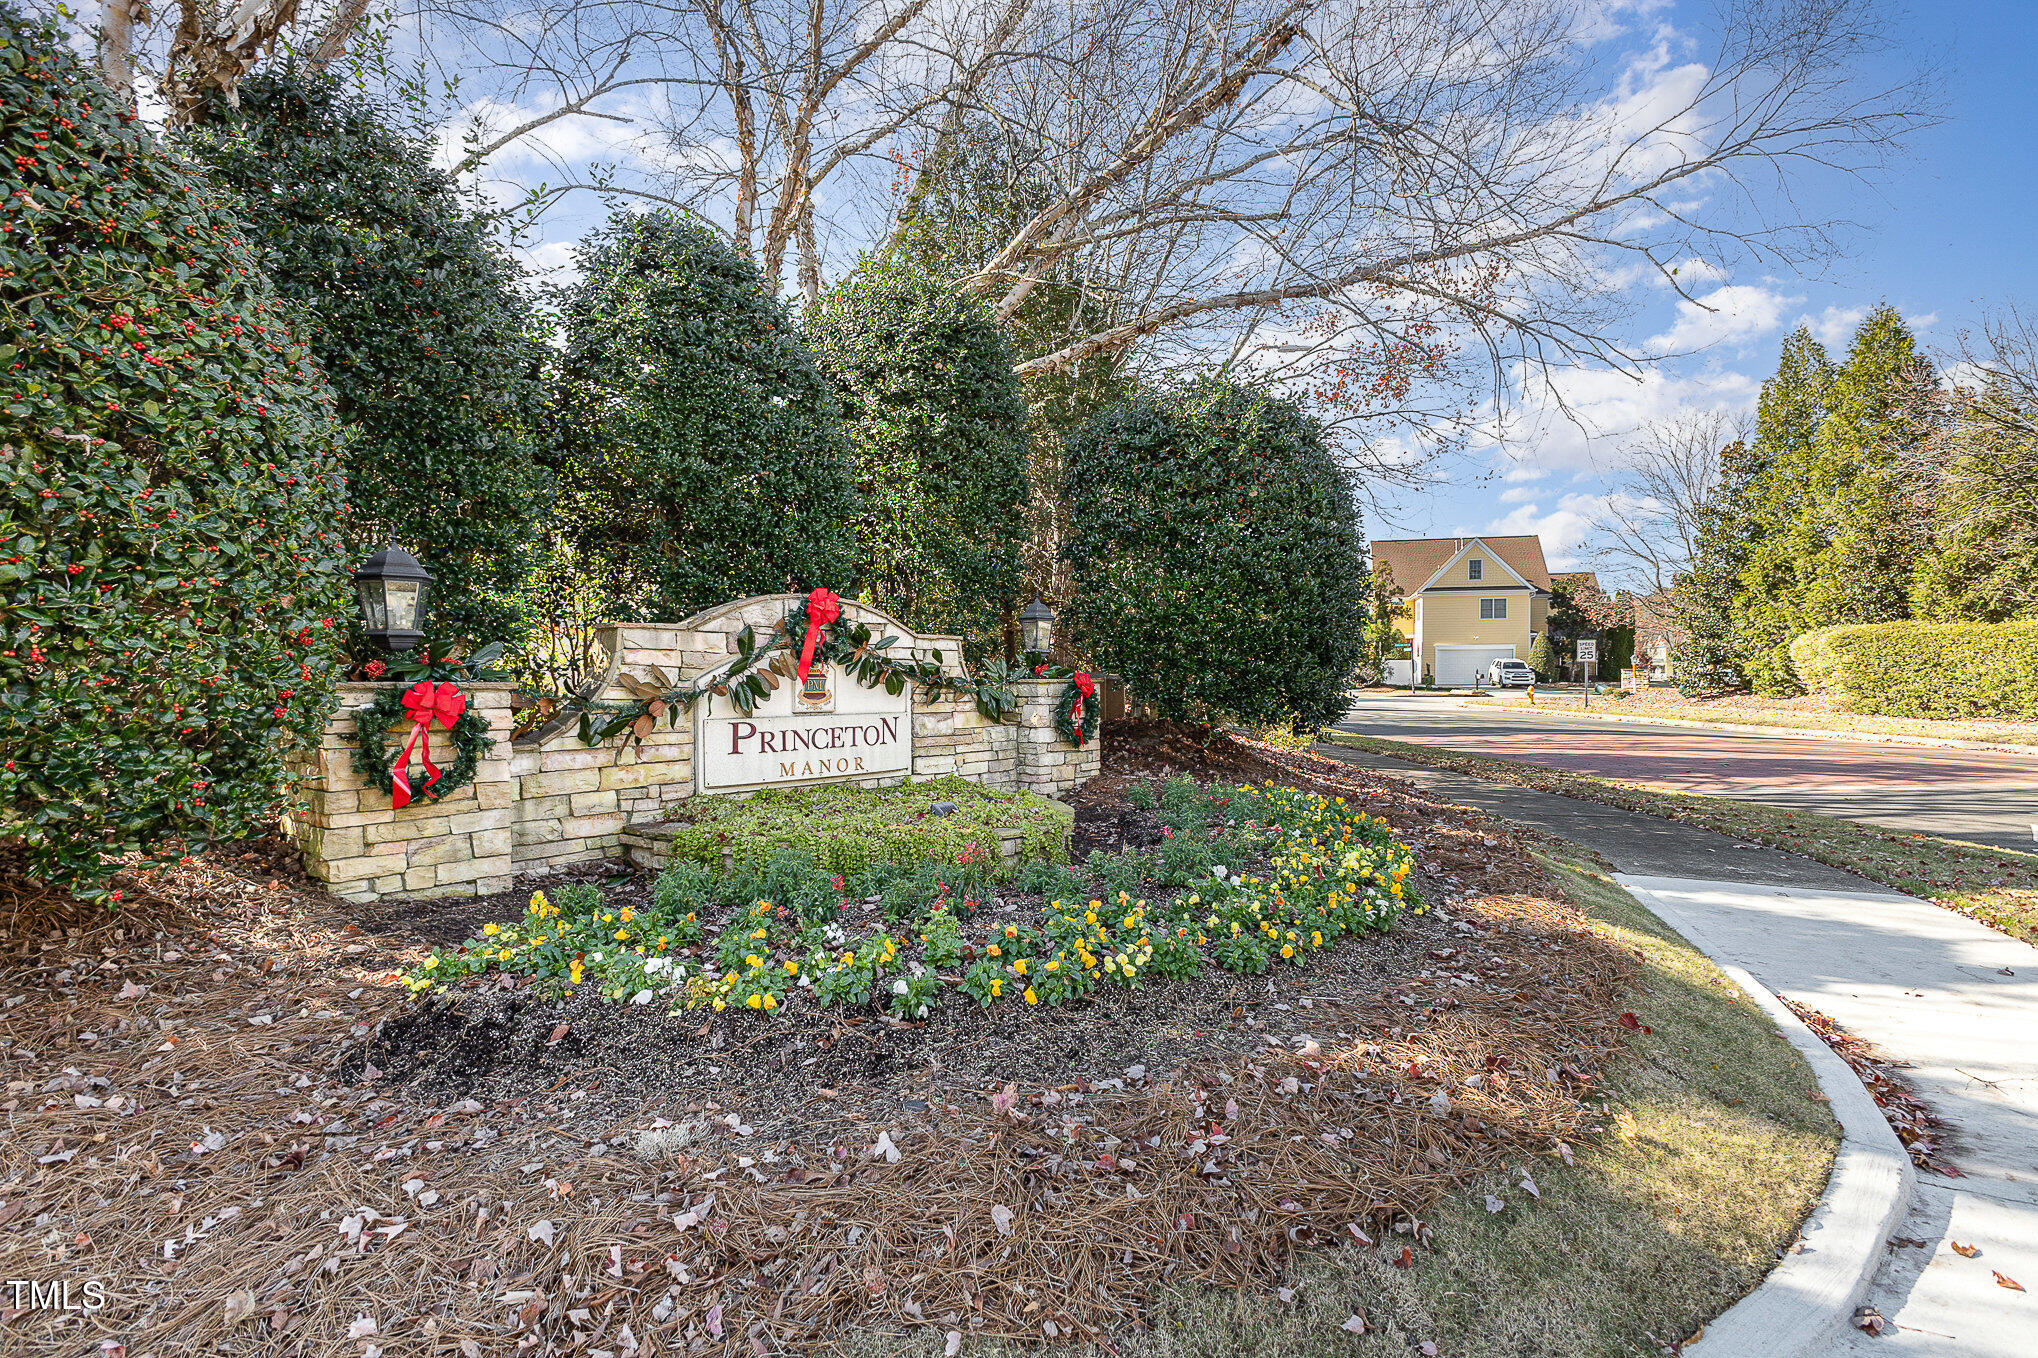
(1922, 669)
(1215, 554)
(413, 309)
(938, 423)
(1542, 658)
(169, 575)
(704, 452)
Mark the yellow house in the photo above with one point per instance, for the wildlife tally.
(1467, 602)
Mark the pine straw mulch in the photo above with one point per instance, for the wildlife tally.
(178, 1127)
(1913, 1121)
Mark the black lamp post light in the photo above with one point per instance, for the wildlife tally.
(394, 591)
(1036, 629)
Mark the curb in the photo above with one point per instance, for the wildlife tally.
(1740, 728)
(1806, 1304)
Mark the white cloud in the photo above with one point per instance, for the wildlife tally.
(1565, 528)
(1515, 495)
(552, 260)
(1834, 326)
(1691, 271)
(1732, 314)
(1605, 408)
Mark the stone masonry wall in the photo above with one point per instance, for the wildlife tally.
(1046, 763)
(362, 849)
(550, 800)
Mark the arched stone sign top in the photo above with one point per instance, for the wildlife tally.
(552, 800)
(830, 728)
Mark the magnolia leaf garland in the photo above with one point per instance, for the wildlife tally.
(761, 666)
(469, 735)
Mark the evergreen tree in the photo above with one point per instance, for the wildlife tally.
(1704, 598)
(1216, 556)
(1542, 658)
(703, 452)
(938, 424)
(1983, 565)
(1779, 536)
(171, 574)
(414, 310)
(1870, 533)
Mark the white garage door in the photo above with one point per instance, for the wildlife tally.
(1463, 666)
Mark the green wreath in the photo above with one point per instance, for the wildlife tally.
(1066, 726)
(371, 745)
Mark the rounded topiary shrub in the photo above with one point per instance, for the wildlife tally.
(168, 573)
(413, 309)
(1215, 555)
(937, 420)
(702, 448)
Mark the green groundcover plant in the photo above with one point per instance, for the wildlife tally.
(850, 830)
(788, 934)
(169, 575)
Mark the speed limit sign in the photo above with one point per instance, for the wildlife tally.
(1588, 650)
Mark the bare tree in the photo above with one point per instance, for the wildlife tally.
(211, 46)
(1647, 530)
(1404, 209)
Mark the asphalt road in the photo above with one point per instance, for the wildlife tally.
(1985, 796)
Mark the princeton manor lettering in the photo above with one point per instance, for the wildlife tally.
(806, 734)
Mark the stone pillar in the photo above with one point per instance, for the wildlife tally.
(362, 848)
(1047, 763)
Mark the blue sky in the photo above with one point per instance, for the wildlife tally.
(1950, 234)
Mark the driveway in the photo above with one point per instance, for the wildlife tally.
(1985, 796)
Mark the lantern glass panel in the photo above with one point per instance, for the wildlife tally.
(371, 604)
(403, 601)
(1035, 633)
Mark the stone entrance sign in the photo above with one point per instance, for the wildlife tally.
(544, 798)
(829, 731)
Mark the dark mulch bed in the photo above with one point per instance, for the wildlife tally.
(590, 1058)
(812, 1072)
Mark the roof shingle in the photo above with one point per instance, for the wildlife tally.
(1415, 560)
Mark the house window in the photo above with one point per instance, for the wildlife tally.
(1475, 569)
(1492, 610)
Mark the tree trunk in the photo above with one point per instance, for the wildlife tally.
(116, 44)
(332, 39)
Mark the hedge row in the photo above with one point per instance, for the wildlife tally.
(1923, 669)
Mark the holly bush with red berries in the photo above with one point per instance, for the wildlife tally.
(169, 574)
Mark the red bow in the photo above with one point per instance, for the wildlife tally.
(425, 702)
(1085, 687)
(822, 608)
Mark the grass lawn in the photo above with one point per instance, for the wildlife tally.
(1996, 886)
(1712, 1153)
(1798, 714)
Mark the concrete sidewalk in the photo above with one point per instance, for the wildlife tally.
(1956, 999)
(1959, 1002)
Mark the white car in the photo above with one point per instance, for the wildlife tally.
(1510, 674)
